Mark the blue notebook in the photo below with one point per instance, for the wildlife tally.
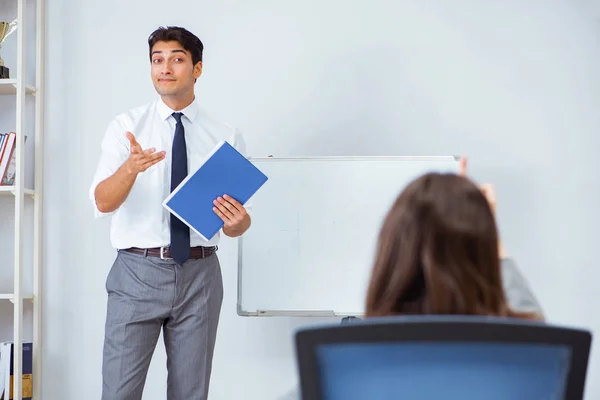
(225, 171)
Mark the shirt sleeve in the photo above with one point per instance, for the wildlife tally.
(238, 143)
(520, 297)
(114, 152)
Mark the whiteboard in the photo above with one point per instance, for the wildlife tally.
(314, 229)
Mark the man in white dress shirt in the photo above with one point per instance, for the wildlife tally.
(164, 275)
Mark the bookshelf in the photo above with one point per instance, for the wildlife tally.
(11, 297)
(19, 88)
(9, 86)
(11, 190)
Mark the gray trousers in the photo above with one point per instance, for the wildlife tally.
(147, 294)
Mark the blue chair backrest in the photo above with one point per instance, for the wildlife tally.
(442, 357)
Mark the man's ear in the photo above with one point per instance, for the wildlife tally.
(198, 69)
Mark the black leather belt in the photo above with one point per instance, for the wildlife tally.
(165, 253)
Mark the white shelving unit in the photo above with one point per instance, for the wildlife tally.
(20, 89)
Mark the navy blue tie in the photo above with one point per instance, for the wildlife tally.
(180, 232)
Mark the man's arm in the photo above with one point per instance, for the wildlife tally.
(112, 192)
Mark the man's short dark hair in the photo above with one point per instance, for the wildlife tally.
(187, 39)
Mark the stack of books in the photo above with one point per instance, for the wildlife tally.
(8, 158)
(6, 371)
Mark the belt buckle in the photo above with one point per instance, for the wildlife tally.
(162, 255)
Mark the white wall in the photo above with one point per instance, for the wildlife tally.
(513, 86)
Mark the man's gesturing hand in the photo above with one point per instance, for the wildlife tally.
(140, 160)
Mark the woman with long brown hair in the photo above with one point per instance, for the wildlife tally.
(438, 253)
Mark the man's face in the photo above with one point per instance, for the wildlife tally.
(173, 72)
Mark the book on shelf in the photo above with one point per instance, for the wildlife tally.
(7, 374)
(8, 155)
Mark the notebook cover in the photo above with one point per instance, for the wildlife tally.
(225, 171)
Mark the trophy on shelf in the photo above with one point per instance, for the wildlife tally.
(6, 28)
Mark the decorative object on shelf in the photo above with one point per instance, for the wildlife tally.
(6, 28)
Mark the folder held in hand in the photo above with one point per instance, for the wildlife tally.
(225, 171)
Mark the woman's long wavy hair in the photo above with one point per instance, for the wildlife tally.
(437, 253)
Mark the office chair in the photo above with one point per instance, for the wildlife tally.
(442, 357)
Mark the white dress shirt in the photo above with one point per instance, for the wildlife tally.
(142, 221)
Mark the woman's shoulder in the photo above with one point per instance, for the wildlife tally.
(519, 294)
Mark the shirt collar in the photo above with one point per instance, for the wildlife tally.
(165, 111)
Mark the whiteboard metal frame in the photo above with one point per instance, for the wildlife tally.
(313, 313)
